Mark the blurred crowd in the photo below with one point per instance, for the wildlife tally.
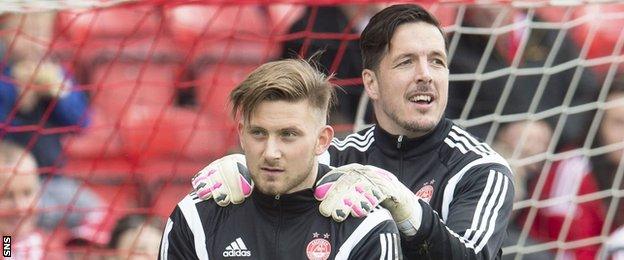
(82, 114)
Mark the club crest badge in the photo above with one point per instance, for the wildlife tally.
(319, 248)
(426, 192)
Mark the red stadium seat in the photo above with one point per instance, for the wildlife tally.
(164, 201)
(99, 139)
(607, 31)
(214, 84)
(224, 33)
(284, 15)
(118, 22)
(117, 86)
(173, 132)
(129, 31)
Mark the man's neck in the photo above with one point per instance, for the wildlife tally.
(394, 129)
(308, 183)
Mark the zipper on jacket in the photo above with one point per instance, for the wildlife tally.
(278, 203)
(399, 142)
(399, 145)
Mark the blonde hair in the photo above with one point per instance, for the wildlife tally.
(289, 80)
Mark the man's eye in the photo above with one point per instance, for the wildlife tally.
(257, 133)
(289, 134)
(439, 62)
(405, 62)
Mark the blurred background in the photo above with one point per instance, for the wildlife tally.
(108, 108)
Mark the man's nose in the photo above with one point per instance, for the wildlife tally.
(423, 72)
(272, 150)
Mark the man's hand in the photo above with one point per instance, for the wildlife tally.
(356, 189)
(343, 192)
(225, 180)
(44, 78)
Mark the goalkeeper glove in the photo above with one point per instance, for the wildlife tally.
(349, 188)
(225, 180)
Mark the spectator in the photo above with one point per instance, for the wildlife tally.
(343, 20)
(19, 190)
(519, 141)
(614, 247)
(39, 103)
(582, 175)
(471, 53)
(529, 139)
(37, 91)
(136, 237)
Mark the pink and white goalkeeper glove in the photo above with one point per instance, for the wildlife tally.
(355, 189)
(226, 180)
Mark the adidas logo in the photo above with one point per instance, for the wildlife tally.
(237, 249)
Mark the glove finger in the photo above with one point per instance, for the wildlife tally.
(326, 207)
(244, 186)
(367, 197)
(201, 176)
(219, 190)
(221, 197)
(201, 185)
(228, 170)
(246, 182)
(354, 202)
(204, 191)
(324, 185)
(342, 207)
(373, 194)
(367, 202)
(341, 211)
(333, 201)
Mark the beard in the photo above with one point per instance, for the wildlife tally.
(420, 127)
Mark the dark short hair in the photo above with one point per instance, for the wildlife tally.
(132, 221)
(379, 31)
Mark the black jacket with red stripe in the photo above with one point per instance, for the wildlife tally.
(467, 188)
(267, 227)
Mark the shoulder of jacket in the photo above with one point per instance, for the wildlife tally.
(461, 149)
(360, 141)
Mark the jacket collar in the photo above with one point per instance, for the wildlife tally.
(293, 204)
(395, 145)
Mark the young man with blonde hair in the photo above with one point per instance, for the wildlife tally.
(282, 110)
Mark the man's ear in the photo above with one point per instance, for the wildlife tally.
(241, 128)
(370, 84)
(324, 140)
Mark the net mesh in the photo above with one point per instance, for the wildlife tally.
(121, 102)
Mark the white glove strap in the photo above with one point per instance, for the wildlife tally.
(410, 226)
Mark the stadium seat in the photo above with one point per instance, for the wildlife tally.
(118, 22)
(99, 139)
(172, 133)
(214, 84)
(164, 201)
(116, 86)
(223, 33)
(129, 31)
(284, 15)
(607, 31)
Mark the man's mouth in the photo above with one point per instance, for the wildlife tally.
(422, 98)
(272, 170)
